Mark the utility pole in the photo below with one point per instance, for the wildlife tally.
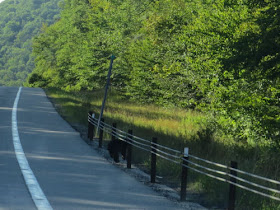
(106, 90)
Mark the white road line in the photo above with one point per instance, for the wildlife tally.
(34, 188)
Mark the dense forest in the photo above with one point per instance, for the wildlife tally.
(218, 56)
(20, 21)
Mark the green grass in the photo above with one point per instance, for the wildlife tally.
(177, 128)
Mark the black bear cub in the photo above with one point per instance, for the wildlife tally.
(115, 147)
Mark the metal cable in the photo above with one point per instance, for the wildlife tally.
(174, 156)
(141, 139)
(121, 131)
(107, 125)
(131, 143)
(109, 129)
(208, 161)
(237, 170)
(138, 146)
(116, 129)
(113, 133)
(174, 161)
(144, 145)
(238, 178)
(230, 182)
(167, 148)
(208, 169)
(253, 175)
(254, 191)
(254, 184)
(132, 139)
(207, 174)
(91, 120)
(92, 123)
(117, 134)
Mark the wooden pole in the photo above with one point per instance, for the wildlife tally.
(129, 150)
(101, 135)
(106, 90)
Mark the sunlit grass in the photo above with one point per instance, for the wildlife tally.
(171, 121)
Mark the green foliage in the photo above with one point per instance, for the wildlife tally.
(19, 22)
(251, 89)
(217, 56)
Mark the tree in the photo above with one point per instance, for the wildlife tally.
(18, 24)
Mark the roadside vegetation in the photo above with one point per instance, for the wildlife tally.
(196, 73)
(20, 21)
(217, 56)
(176, 128)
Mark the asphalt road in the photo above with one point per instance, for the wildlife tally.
(70, 173)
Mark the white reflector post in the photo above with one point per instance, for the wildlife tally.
(186, 152)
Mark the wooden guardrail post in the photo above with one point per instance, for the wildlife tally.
(100, 135)
(232, 188)
(153, 160)
(184, 175)
(129, 149)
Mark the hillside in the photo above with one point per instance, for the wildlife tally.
(20, 21)
(217, 56)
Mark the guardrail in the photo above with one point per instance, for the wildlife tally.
(225, 173)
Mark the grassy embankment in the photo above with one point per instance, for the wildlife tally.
(176, 128)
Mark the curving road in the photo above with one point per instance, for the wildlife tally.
(71, 175)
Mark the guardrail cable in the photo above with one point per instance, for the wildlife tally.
(136, 142)
(238, 185)
(167, 148)
(237, 170)
(164, 152)
(254, 184)
(207, 174)
(206, 168)
(208, 161)
(174, 161)
(230, 175)
(141, 139)
(255, 176)
(255, 191)
(132, 143)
